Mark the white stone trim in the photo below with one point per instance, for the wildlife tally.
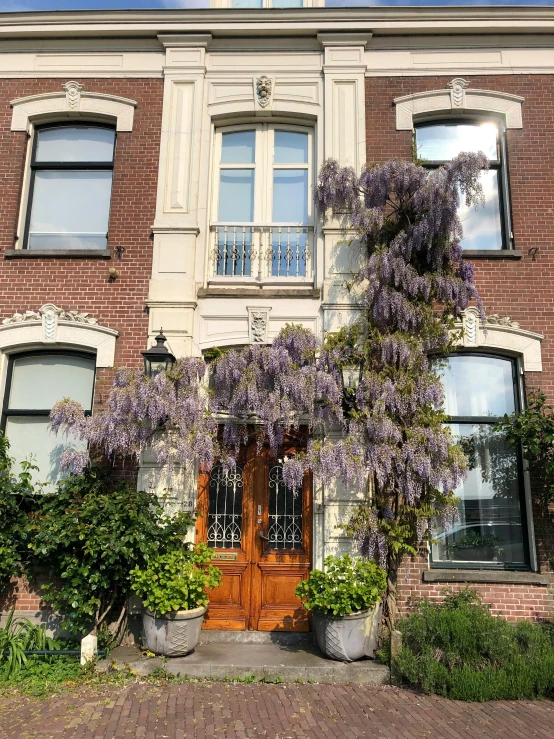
(504, 335)
(53, 327)
(458, 97)
(73, 101)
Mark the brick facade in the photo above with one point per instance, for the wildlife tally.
(522, 289)
(83, 284)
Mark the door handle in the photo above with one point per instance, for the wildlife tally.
(263, 536)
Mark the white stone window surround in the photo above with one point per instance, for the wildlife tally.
(51, 327)
(72, 103)
(458, 98)
(263, 197)
(502, 335)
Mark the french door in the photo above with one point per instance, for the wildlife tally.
(260, 531)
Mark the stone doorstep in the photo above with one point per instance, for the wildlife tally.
(225, 661)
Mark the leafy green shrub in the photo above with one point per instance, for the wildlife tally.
(176, 580)
(17, 636)
(90, 534)
(346, 586)
(459, 650)
(16, 499)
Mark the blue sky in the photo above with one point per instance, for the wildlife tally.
(22, 5)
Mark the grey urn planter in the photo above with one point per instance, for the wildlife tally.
(173, 634)
(348, 638)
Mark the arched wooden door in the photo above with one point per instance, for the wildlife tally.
(261, 533)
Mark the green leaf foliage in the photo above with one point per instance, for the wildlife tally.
(176, 580)
(459, 650)
(347, 585)
(16, 501)
(17, 636)
(89, 535)
(533, 428)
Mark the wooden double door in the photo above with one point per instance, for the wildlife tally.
(261, 534)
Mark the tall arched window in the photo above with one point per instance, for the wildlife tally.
(262, 221)
(35, 381)
(485, 228)
(70, 188)
(490, 530)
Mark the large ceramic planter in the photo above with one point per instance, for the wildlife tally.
(348, 638)
(174, 634)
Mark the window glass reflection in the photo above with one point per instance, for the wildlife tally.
(478, 386)
(238, 147)
(489, 528)
(489, 525)
(441, 143)
(482, 225)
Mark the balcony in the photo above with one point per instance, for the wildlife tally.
(271, 254)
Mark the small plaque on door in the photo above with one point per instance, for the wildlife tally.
(227, 556)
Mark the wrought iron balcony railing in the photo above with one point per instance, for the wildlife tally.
(262, 251)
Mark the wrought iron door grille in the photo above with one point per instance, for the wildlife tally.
(285, 513)
(225, 508)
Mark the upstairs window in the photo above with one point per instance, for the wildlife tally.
(485, 228)
(263, 206)
(70, 188)
(35, 382)
(490, 531)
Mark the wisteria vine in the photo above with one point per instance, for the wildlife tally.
(412, 287)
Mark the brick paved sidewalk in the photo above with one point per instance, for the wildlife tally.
(239, 711)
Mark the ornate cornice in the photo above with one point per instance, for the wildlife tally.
(49, 309)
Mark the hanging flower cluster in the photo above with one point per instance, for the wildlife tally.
(167, 414)
(277, 388)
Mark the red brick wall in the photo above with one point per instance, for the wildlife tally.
(83, 284)
(522, 289)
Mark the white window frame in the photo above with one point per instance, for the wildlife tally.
(264, 167)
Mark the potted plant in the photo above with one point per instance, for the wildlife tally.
(173, 588)
(346, 603)
(474, 547)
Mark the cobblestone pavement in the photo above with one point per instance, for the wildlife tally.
(239, 711)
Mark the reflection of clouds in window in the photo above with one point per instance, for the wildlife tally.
(482, 224)
(38, 381)
(478, 386)
(441, 143)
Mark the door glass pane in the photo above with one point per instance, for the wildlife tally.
(285, 513)
(482, 225)
(290, 148)
(236, 195)
(478, 386)
(441, 143)
(70, 210)
(225, 508)
(489, 528)
(30, 439)
(40, 381)
(238, 147)
(290, 195)
(79, 144)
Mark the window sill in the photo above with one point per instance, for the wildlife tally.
(490, 254)
(58, 253)
(259, 292)
(504, 577)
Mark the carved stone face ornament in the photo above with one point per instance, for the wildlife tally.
(263, 90)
